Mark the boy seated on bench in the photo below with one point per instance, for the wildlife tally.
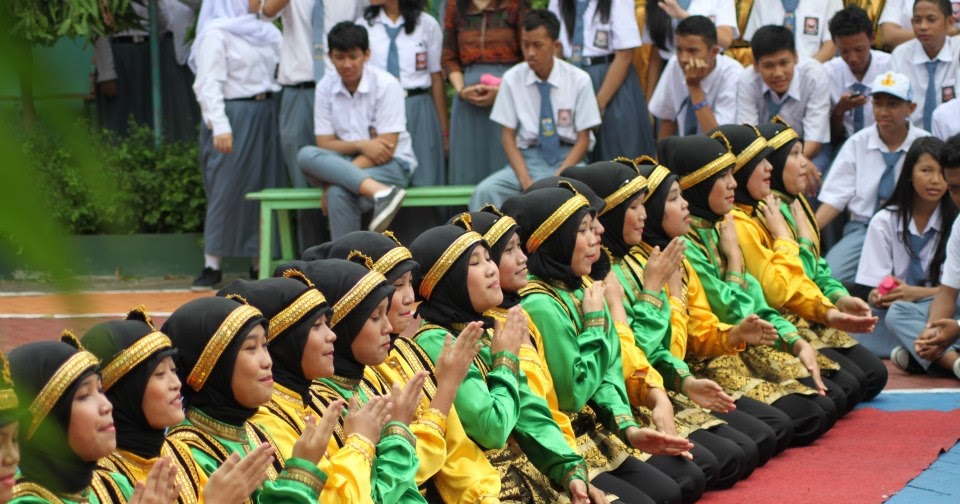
(364, 157)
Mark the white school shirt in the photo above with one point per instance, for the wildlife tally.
(179, 18)
(599, 38)
(418, 53)
(853, 179)
(900, 12)
(375, 108)
(808, 107)
(812, 17)
(230, 67)
(721, 12)
(296, 53)
(950, 275)
(946, 120)
(575, 106)
(842, 81)
(671, 92)
(909, 59)
(884, 252)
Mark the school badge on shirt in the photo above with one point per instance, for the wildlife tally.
(547, 128)
(811, 25)
(564, 118)
(947, 93)
(601, 39)
(421, 61)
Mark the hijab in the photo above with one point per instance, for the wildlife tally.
(129, 351)
(698, 161)
(780, 137)
(45, 454)
(234, 17)
(390, 257)
(659, 181)
(750, 148)
(497, 231)
(549, 220)
(208, 333)
(355, 291)
(291, 305)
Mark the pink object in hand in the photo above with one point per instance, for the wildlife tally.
(886, 285)
(490, 80)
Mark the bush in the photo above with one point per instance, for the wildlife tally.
(129, 186)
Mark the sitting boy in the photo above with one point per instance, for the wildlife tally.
(546, 107)
(363, 156)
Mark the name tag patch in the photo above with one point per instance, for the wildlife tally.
(947, 93)
(421, 61)
(601, 39)
(811, 25)
(565, 118)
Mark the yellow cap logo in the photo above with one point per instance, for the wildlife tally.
(888, 80)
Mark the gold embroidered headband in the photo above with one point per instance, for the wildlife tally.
(751, 151)
(557, 218)
(391, 259)
(8, 397)
(133, 356)
(61, 380)
(354, 296)
(627, 191)
(499, 228)
(783, 138)
(449, 256)
(218, 343)
(290, 315)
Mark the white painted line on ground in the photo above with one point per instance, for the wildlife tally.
(72, 315)
(922, 391)
(87, 292)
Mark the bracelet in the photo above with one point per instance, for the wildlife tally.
(698, 106)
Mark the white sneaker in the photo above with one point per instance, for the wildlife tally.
(956, 368)
(385, 208)
(900, 358)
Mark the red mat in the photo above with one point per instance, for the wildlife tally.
(867, 457)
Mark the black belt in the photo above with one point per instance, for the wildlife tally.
(415, 91)
(130, 39)
(595, 60)
(256, 97)
(302, 85)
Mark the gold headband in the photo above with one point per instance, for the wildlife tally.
(783, 138)
(657, 177)
(449, 256)
(556, 219)
(710, 169)
(290, 315)
(750, 152)
(8, 397)
(354, 296)
(218, 343)
(133, 356)
(634, 186)
(57, 385)
(499, 228)
(391, 259)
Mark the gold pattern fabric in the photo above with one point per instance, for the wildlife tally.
(520, 481)
(133, 356)
(391, 259)
(820, 336)
(732, 373)
(293, 313)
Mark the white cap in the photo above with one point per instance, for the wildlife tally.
(893, 83)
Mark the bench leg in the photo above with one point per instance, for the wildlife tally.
(286, 236)
(266, 239)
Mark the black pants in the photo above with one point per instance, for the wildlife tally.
(782, 424)
(765, 439)
(866, 367)
(685, 473)
(636, 481)
(733, 461)
(811, 416)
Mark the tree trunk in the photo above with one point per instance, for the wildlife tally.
(24, 63)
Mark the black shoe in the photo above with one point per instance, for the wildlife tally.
(385, 208)
(207, 280)
(254, 273)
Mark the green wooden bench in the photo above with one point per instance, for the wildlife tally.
(283, 200)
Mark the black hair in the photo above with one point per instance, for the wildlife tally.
(659, 25)
(542, 17)
(346, 36)
(409, 9)
(950, 154)
(700, 26)
(902, 200)
(568, 13)
(771, 39)
(944, 5)
(851, 21)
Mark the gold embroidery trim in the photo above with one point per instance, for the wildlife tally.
(215, 427)
(292, 314)
(28, 488)
(750, 152)
(656, 178)
(652, 299)
(509, 361)
(305, 477)
(8, 399)
(708, 170)
(398, 429)
(433, 418)
(782, 138)
(737, 279)
(391, 259)
(449, 256)
(596, 322)
(556, 219)
(133, 356)
(624, 193)
(355, 296)
(362, 445)
(61, 380)
(347, 383)
(218, 343)
(499, 228)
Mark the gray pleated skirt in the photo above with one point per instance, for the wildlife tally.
(423, 124)
(626, 129)
(181, 113)
(232, 224)
(475, 147)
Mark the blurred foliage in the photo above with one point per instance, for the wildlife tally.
(42, 22)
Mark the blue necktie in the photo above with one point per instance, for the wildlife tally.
(690, 119)
(773, 108)
(790, 14)
(548, 138)
(887, 180)
(577, 42)
(318, 41)
(915, 274)
(858, 112)
(393, 56)
(684, 4)
(930, 100)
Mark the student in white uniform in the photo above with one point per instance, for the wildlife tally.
(546, 108)
(907, 239)
(928, 329)
(781, 83)
(661, 24)
(930, 60)
(406, 42)
(695, 94)
(852, 72)
(599, 36)
(863, 175)
(896, 21)
(235, 56)
(363, 154)
(946, 120)
(807, 19)
(303, 63)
